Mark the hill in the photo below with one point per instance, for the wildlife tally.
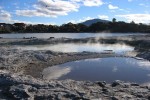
(92, 21)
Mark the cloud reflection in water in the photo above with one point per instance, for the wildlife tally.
(55, 72)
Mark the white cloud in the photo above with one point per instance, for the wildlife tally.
(105, 17)
(54, 8)
(80, 20)
(125, 10)
(130, 0)
(4, 15)
(144, 5)
(85, 18)
(112, 7)
(50, 8)
(138, 18)
(91, 3)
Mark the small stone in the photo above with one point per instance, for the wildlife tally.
(114, 98)
(105, 90)
(134, 84)
(19, 92)
(148, 98)
(40, 57)
(114, 84)
(101, 84)
(140, 95)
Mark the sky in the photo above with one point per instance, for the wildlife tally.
(63, 11)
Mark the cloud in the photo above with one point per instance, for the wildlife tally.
(91, 3)
(144, 5)
(137, 18)
(55, 8)
(80, 20)
(105, 17)
(4, 15)
(49, 8)
(112, 7)
(130, 0)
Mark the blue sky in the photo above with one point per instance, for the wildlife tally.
(75, 11)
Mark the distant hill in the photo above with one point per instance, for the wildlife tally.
(92, 21)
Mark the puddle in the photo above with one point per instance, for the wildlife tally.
(80, 47)
(101, 69)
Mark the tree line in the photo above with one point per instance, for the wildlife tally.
(113, 26)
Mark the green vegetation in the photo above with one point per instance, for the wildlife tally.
(113, 26)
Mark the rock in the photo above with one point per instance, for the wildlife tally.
(49, 52)
(19, 92)
(148, 97)
(139, 95)
(2, 59)
(101, 84)
(51, 37)
(134, 84)
(40, 57)
(105, 90)
(51, 97)
(117, 82)
(5, 80)
(114, 98)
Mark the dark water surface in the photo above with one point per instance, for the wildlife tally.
(102, 69)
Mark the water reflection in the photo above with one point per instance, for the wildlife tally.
(55, 72)
(141, 63)
(115, 69)
(103, 69)
(80, 47)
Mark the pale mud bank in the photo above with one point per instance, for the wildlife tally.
(14, 86)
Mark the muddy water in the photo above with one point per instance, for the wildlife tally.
(101, 69)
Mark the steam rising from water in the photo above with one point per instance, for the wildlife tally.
(80, 47)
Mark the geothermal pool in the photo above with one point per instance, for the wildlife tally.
(101, 69)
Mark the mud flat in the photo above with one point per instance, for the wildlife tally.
(14, 86)
(20, 70)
